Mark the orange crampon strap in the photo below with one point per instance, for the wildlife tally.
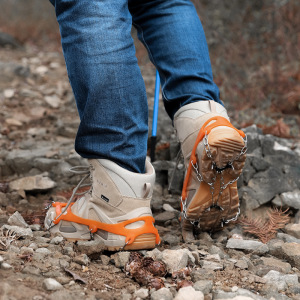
(219, 121)
(119, 228)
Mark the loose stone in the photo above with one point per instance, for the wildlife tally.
(51, 284)
(189, 293)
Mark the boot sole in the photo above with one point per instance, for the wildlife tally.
(142, 242)
(225, 144)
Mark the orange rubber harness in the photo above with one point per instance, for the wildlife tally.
(219, 121)
(119, 228)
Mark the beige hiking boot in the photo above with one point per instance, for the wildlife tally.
(214, 156)
(116, 209)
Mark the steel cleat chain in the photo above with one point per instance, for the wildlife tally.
(223, 186)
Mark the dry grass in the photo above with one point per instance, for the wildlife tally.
(266, 230)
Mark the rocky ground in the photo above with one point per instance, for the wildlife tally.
(38, 122)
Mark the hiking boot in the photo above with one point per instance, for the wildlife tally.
(115, 210)
(214, 156)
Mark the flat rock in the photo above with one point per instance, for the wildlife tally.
(293, 229)
(16, 219)
(19, 231)
(281, 281)
(211, 265)
(32, 183)
(277, 264)
(90, 247)
(287, 238)
(249, 245)
(43, 251)
(51, 284)
(189, 293)
(292, 253)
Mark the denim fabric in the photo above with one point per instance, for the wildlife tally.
(105, 77)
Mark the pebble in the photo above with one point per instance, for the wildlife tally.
(142, 293)
(249, 245)
(241, 264)
(51, 284)
(177, 259)
(8, 93)
(162, 294)
(31, 270)
(43, 251)
(205, 286)
(121, 258)
(26, 250)
(82, 259)
(67, 250)
(53, 101)
(105, 259)
(1, 259)
(32, 183)
(57, 240)
(6, 266)
(189, 293)
(33, 246)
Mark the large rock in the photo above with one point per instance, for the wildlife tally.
(249, 245)
(32, 183)
(268, 184)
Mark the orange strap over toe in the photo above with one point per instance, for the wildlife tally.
(205, 129)
(119, 228)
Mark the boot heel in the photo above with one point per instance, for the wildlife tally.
(143, 241)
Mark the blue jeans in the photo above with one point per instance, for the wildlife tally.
(105, 77)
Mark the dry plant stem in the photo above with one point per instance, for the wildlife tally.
(266, 230)
(6, 238)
